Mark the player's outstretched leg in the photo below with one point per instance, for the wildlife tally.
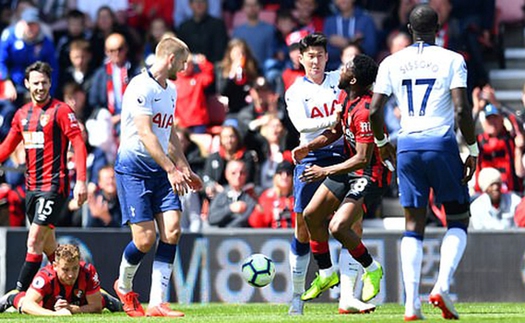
(160, 280)
(327, 276)
(113, 304)
(6, 301)
(349, 270)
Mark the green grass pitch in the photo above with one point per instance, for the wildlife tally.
(314, 313)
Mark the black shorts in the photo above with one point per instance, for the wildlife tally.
(44, 208)
(355, 187)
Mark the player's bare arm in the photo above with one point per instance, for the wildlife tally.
(325, 139)
(30, 304)
(362, 157)
(467, 127)
(9, 144)
(94, 305)
(377, 122)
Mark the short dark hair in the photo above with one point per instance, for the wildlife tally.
(75, 14)
(423, 19)
(365, 69)
(313, 40)
(38, 66)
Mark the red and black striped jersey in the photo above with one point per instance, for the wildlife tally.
(356, 128)
(46, 132)
(47, 284)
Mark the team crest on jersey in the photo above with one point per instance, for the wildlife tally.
(141, 100)
(78, 293)
(44, 120)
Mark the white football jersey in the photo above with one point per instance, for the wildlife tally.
(421, 77)
(144, 96)
(311, 106)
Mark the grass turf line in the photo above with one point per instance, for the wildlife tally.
(314, 313)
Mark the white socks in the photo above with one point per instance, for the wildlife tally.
(411, 260)
(349, 270)
(126, 274)
(452, 249)
(160, 279)
(298, 267)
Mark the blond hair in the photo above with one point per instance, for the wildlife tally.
(68, 252)
(171, 45)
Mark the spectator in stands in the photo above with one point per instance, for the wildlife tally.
(493, 209)
(351, 24)
(274, 207)
(141, 13)
(92, 8)
(110, 80)
(274, 139)
(259, 35)
(22, 44)
(76, 30)
(231, 148)
(103, 204)
(306, 18)
(501, 149)
(79, 70)
(233, 206)
(264, 102)
(273, 67)
(191, 84)
(349, 52)
(75, 96)
(294, 69)
(105, 25)
(235, 74)
(397, 19)
(204, 33)
(184, 10)
(475, 19)
(157, 29)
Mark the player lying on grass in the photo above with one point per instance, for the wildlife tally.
(65, 287)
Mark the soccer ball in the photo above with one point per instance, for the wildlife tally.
(258, 270)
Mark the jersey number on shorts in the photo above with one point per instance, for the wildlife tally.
(359, 186)
(408, 83)
(44, 209)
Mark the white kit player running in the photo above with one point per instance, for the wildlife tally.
(151, 173)
(429, 83)
(312, 103)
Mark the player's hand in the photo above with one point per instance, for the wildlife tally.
(61, 304)
(299, 153)
(194, 181)
(80, 192)
(312, 173)
(469, 168)
(388, 153)
(178, 182)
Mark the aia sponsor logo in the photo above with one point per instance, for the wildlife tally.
(163, 120)
(323, 111)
